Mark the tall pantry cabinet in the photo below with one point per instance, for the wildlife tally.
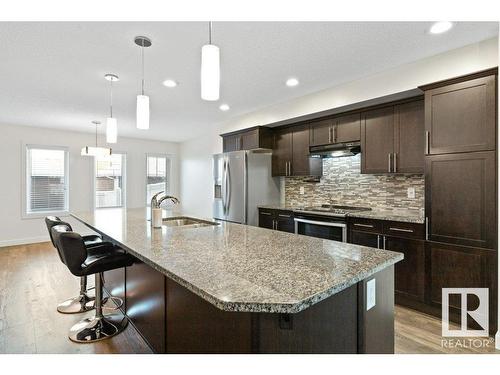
(460, 187)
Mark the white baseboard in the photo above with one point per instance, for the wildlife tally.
(497, 340)
(24, 241)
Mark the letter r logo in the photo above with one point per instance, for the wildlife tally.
(477, 314)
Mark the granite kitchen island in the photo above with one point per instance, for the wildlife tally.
(231, 288)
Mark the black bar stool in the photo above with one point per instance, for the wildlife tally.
(83, 302)
(81, 263)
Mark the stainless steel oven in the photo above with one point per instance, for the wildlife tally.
(330, 228)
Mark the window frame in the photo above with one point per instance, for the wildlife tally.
(25, 214)
(124, 182)
(168, 162)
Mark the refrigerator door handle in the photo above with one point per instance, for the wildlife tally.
(228, 180)
(245, 189)
(224, 182)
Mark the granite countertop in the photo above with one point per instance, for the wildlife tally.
(396, 214)
(242, 268)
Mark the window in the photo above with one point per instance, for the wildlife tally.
(46, 180)
(156, 175)
(110, 181)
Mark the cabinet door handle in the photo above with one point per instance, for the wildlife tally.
(389, 162)
(395, 162)
(401, 230)
(265, 213)
(363, 225)
(427, 142)
(282, 215)
(383, 242)
(329, 134)
(378, 241)
(334, 134)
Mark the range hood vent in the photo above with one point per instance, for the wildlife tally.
(336, 150)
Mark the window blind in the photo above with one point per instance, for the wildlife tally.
(46, 180)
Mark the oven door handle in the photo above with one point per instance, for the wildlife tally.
(324, 223)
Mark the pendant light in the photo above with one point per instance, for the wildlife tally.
(142, 111)
(210, 69)
(111, 123)
(95, 151)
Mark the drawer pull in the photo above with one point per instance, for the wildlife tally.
(281, 215)
(364, 225)
(265, 213)
(401, 230)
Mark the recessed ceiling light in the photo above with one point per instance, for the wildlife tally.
(290, 82)
(224, 107)
(440, 27)
(169, 83)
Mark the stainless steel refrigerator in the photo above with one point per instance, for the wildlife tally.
(242, 181)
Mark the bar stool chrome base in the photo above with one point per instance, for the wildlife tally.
(76, 305)
(117, 303)
(97, 328)
(79, 304)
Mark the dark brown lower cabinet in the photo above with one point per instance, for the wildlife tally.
(146, 303)
(409, 274)
(266, 219)
(452, 266)
(281, 220)
(364, 238)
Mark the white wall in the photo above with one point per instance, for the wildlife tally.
(195, 155)
(14, 229)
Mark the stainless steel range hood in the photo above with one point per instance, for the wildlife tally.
(336, 150)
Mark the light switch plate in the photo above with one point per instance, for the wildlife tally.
(411, 192)
(370, 294)
(301, 190)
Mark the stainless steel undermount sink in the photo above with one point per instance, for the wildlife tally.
(184, 221)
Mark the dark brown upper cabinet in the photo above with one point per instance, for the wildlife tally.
(336, 130)
(347, 128)
(409, 138)
(460, 198)
(291, 153)
(392, 139)
(282, 152)
(460, 116)
(321, 132)
(248, 139)
(377, 140)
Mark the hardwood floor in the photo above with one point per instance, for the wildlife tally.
(33, 281)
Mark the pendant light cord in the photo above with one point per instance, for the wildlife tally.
(142, 53)
(96, 135)
(111, 98)
(209, 32)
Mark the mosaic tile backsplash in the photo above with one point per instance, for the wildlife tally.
(342, 183)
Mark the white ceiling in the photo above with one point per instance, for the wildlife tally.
(51, 74)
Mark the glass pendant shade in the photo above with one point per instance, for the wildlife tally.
(142, 112)
(111, 130)
(210, 72)
(95, 151)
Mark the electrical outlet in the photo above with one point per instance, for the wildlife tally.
(301, 190)
(370, 294)
(411, 192)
